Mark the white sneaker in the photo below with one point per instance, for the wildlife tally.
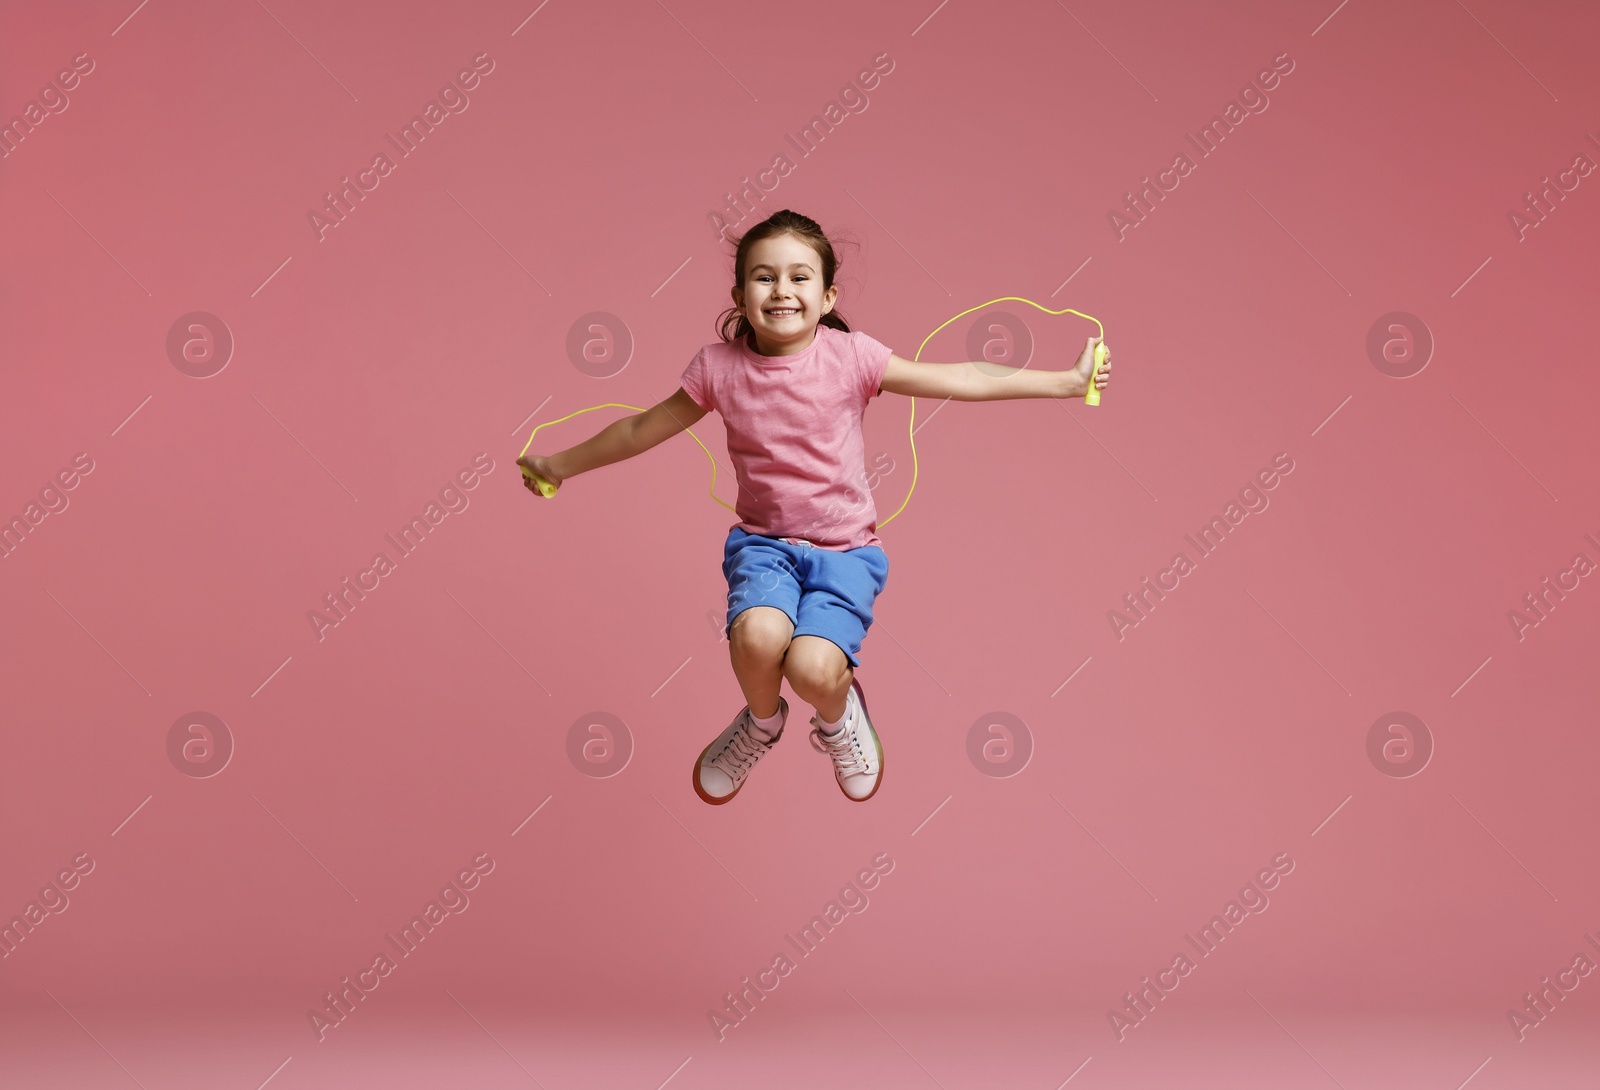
(857, 754)
(723, 765)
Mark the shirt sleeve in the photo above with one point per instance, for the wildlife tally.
(696, 383)
(872, 359)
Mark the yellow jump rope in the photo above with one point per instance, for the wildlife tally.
(1090, 397)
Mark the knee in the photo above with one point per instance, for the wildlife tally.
(815, 666)
(761, 632)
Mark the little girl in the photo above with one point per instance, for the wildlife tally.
(804, 563)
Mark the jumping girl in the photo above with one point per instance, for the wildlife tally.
(804, 563)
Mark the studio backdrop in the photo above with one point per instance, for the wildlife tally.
(1238, 730)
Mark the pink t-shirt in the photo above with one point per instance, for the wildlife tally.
(794, 433)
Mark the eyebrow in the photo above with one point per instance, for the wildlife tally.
(796, 265)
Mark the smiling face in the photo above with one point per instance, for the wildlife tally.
(783, 297)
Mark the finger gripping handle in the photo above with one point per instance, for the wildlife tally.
(546, 489)
(1092, 395)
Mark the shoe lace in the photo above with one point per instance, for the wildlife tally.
(847, 758)
(739, 754)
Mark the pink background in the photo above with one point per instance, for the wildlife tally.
(1230, 725)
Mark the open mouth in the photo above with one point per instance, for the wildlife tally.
(783, 312)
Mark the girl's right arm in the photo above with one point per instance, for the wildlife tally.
(619, 440)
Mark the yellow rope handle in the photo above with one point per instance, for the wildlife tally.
(547, 489)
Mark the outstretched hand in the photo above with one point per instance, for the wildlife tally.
(541, 466)
(1085, 366)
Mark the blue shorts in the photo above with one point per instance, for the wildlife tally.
(823, 592)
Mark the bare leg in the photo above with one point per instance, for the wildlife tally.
(757, 643)
(820, 674)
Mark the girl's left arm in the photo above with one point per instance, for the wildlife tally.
(983, 381)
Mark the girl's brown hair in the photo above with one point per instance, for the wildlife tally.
(805, 229)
